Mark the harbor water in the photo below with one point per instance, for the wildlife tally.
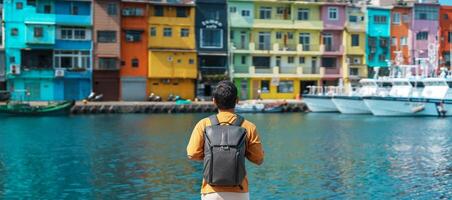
(139, 156)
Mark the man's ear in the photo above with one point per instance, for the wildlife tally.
(213, 100)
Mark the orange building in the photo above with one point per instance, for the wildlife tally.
(134, 50)
(401, 18)
(445, 23)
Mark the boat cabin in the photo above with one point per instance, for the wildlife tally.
(401, 87)
(435, 88)
(369, 87)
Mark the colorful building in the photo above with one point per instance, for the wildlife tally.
(354, 40)
(401, 34)
(378, 33)
(332, 48)
(48, 49)
(275, 47)
(212, 44)
(2, 53)
(134, 50)
(107, 51)
(425, 30)
(172, 53)
(445, 20)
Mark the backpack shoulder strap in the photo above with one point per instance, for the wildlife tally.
(238, 121)
(214, 120)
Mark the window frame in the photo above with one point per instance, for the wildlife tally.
(353, 38)
(167, 32)
(112, 9)
(202, 45)
(336, 13)
(115, 39)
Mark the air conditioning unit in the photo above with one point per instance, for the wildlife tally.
(14, 69)
(356, 60)
(59, 72)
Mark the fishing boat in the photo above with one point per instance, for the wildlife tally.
(403, 100)
(352, 102)
(26, 109)
(319, 100)
(255, 107)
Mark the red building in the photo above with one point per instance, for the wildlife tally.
(445, 22)
(400, 34)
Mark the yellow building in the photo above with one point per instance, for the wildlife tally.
(172, 50)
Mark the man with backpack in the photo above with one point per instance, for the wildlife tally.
(223, 141)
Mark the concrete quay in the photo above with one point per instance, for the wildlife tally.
(167, 107)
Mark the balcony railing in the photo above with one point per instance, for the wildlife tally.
(263, 70)
(281, 71)
(311, 70)
(288, 70)
(285, 47)
(264, 46)
(311, 47)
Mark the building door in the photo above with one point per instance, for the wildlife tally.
(313, 65)
(264, 41)
(243, 89)
(242, 40)
(304, 86)
(278, 61)
(256, 87)
(71, 89)
(32, 91)
(305, 41)
(328, 41)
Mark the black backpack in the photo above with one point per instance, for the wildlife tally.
(224, 153)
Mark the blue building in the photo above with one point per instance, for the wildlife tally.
(48, 49)
(212, 44)
(378, 32)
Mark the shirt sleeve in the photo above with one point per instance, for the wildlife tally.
(254, 150)
(195, 147)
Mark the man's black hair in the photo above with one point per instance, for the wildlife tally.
(225, 95)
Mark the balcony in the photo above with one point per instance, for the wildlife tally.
(213, 69)
(331, 72)
(309, 25)
(332, 49)
(282, 72)
(355, 27)
(73, 20)
(273, 23)
(285, 47)
(40, 18)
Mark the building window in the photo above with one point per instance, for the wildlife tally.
(246, 13)
(382, 58)
(304, 40)
(112, 9)
(181, 12)
(303, 14)
(353, 18)
(394, 41)
(329, 62)
(74, 10)
(278, 35)
(47, 9)
(134, 12)
(426, 13)
(184, 32)
(231, 35)
(290, 59)
(108, 63)
(396, 18)
(380, 19)
(301, 60)
(153, 31)
(233, 9)
(403, 41)
(285, 87)
(14, 32)
(133, 36)
(167, 32)
(106, 36)
(19, 5)
(243, 60)
(72, 59)
(445, 16)
(265, 12)
(70, 33)
(333, 13)
(135, 63)
(449, 38)
(191, 61)
(31, 2)
(265, 86)
(158, 11)
(422, 35)
(355, 40)
(38, 32)
(211, 38)
(289, 35)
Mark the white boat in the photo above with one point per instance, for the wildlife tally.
(353, 103)
(319, 100)
(403, 100)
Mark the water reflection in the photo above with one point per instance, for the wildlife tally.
(143, 157)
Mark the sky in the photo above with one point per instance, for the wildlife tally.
(445, 2)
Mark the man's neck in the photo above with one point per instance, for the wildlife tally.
(227, 110)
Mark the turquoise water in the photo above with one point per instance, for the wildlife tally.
(313, 156)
